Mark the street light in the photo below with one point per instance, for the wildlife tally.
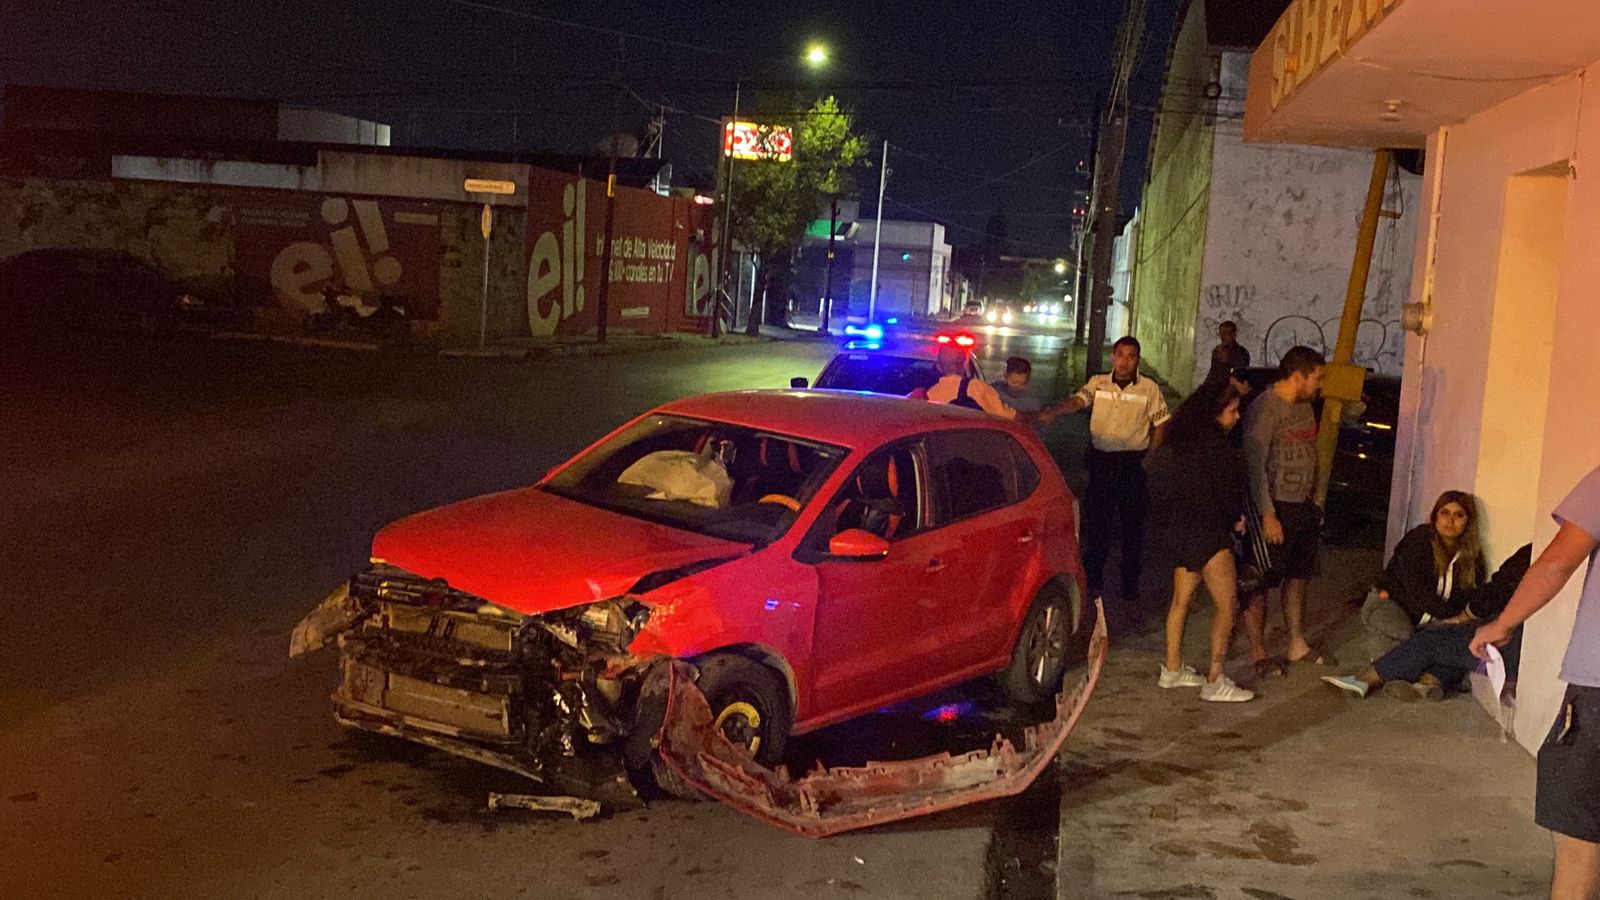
(817, 55)
(1061, 267)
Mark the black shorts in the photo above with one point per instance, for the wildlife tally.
(1299, 556)
(1568, 799)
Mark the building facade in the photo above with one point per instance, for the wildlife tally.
(1501, 389)
(1262, 235)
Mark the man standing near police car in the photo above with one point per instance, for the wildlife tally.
(1127, 418)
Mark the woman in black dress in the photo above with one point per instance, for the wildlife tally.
(1197, 497)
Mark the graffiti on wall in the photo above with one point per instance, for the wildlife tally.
(1379, 345)
(296, 249)
(1226, 303)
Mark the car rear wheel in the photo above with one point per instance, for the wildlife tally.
(1039, 658)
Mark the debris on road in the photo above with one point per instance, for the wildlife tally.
(831, 801)
(576, 807)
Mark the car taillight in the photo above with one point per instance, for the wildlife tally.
(965, 341)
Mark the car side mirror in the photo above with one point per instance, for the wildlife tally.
(799, 383)
(854, 543)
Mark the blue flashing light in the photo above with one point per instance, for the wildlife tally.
(870, 332)
(892, 320)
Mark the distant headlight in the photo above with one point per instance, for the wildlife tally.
(1006, 317)
(991, 315)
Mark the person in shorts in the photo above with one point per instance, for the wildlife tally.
(1280, 449)
(1568, 797)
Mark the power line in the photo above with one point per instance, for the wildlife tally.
(593, 29)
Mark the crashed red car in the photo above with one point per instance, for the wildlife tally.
(812, 555)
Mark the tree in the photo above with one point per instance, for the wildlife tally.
(776, 201)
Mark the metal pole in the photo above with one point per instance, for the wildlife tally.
(877, 238)
(726, 248)
(827, 285)
(483, 306)
(1345, 381)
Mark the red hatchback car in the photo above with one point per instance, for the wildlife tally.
(814, 554)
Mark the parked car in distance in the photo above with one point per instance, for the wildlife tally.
(1363, 461)
(814, 555)
(895, 367)
(972, 309)
(95, 289)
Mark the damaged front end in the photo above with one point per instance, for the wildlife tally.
(526, 693)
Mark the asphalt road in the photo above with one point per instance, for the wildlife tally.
(172, 508)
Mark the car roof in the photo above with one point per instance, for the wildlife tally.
(846, 418)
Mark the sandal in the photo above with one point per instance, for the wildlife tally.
(1268, 666)
(1316, 658)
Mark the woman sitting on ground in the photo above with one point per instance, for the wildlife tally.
(1436, 660)
(1425, 580)
(1197, 492)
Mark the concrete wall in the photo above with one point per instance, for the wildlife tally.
(1452, 423)
(1281, 239)
(183, 230)
(913, 286)
(1175, 209)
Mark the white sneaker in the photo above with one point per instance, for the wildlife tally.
(1223, 690)
(1184, 677)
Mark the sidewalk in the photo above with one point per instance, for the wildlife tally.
(1303, 793)
(527, 348)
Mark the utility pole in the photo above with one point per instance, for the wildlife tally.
(603, 302)
(1108, 180)
(877, 238)
(1344, 381)
(827, 285)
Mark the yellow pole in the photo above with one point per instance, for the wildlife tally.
(1345, 381)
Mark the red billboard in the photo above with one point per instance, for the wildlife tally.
(293, 246)
(656, 242)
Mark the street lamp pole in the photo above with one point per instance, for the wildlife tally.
(877, 238)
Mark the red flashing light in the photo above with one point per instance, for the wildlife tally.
(965, 341)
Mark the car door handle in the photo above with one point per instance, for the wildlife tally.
(936, 565)
(1025, 538)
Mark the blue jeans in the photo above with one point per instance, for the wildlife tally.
(1441, 651)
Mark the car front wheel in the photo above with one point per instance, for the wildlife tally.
(1039, 658)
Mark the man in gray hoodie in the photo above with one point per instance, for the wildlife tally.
(1280, 447)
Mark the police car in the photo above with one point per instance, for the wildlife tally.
(891, 365)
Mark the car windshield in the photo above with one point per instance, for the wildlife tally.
(713, 478)
(899, 375)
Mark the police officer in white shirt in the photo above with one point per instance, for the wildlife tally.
(1127, 417)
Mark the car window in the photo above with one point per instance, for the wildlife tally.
(715, 478)
(879, 373)
(972, 471)
(1027, 472)
(887, 495)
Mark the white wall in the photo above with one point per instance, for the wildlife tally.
(1281, 238)
(1442, 442)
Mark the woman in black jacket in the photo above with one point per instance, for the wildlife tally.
(1428, 575)
(1197, 496)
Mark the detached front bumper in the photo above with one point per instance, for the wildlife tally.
(421, 661)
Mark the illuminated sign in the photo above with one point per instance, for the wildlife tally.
(748, 140)
(1312, 32)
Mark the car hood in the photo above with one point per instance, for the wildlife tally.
(533, 552)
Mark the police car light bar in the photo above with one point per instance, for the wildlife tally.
(870, 332)
(965, 341)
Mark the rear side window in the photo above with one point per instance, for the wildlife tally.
(975, 471)
(899, 375)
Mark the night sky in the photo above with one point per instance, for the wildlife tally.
(992, 103)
